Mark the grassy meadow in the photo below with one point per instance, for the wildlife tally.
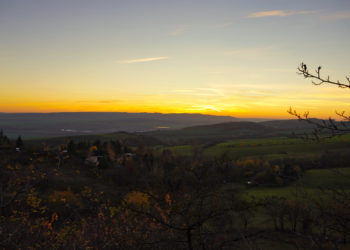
(266, 148)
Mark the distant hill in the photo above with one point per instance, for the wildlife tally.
(203, 134)
(289, 124)
(233, 130)
(215, 132)
(166, 127)
(127, 139)
(44, 125)
(207, 134)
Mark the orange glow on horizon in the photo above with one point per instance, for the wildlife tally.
(244, 113)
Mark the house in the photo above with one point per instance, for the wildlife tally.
(93, 160)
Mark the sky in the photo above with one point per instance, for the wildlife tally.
(222, 57)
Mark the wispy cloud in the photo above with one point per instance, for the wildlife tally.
(223, 25)
(338, 15)
(247, 71)
(203, 108)
(278, 13)
(251, 53)
(98, 101)
(141, 60)
(200, 92)
(179, 30)
(217, 72)
(245, 51)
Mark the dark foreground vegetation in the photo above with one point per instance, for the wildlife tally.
(109, 195)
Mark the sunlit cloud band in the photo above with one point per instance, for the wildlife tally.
(280, 13)
(141, 60)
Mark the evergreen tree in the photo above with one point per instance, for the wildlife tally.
(1, 137)
(71, 147)
(19, 142)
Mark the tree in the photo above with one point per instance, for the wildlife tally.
(333, 213)
(323, 128)
(71, 147)
(19, 142)
(4, 141)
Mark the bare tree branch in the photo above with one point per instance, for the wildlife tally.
(322, 128)
(303, 70)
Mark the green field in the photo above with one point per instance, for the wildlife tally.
(279, 148)
(274, 148)
(268, 148)
(311, 184)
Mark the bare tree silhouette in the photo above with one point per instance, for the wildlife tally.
(323, 128)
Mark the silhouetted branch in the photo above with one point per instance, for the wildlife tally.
(303, 70)
(323, 128)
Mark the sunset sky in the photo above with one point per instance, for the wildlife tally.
(222, 57)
